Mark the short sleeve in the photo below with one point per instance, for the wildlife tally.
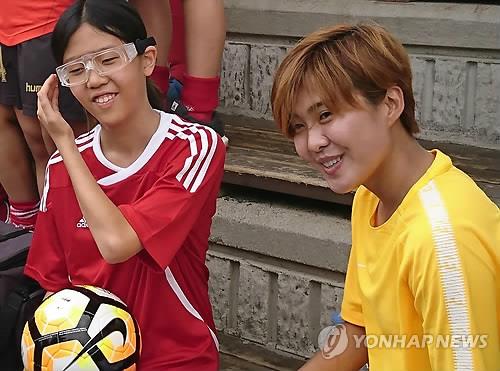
(182, 200)
(46, 260)
(453, 281)
(352, 310)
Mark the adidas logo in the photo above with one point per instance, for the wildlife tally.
(82, 223)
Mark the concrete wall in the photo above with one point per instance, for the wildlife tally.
(276, 272)
(454, 48)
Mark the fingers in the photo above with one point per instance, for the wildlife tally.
(55, 98)
(49, 115)
(48, 97)
(46, 92)
(42, 98)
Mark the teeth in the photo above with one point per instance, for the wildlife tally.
(332, 162)
(104, 98)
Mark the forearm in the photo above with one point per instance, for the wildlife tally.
(112, 233)
(351, 359)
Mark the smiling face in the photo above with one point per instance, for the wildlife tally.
(112, 98)
(346, 147)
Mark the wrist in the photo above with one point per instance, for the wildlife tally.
(65, 142)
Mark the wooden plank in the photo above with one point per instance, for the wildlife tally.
(280, 186)
(260, 157)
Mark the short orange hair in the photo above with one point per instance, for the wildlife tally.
(340, 63)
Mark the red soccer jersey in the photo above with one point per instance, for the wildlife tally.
(168, 195)
(23, 20)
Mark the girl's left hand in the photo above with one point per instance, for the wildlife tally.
(48, 112)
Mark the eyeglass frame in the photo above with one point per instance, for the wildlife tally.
(132, 50)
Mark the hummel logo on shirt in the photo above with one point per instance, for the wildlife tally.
(82, 223)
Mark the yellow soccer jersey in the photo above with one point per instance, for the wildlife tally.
(425, 284)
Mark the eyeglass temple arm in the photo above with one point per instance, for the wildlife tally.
(142, 44)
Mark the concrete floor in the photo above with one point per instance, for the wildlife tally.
(231, 363)
(236, 355)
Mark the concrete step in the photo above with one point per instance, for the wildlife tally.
(247, 356)
(234, 363)
(294, 229)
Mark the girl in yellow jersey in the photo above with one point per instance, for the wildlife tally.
(422, 285)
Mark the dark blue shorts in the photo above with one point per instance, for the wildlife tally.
(26, 66)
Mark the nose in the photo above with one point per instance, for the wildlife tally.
(316, 140)
(94, 79)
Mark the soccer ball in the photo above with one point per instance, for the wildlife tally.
(81, 328)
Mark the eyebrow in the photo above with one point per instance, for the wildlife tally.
(315, 106)
(312, 108)
(95, 51)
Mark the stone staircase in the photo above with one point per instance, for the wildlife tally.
(277, 266)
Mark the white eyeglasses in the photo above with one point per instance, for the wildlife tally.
(104, 62)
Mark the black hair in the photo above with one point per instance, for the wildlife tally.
(115, 17)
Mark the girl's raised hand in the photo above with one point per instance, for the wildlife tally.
(48, 112)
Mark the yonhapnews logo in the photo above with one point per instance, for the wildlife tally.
(332, 341)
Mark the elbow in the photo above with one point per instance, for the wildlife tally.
(116, 250)
(110, 254)
(112, 257)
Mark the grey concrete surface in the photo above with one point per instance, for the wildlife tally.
(312, 237)
(416, 23)
(276, 270)
(243, 355)
(233, 363)
(456, 68)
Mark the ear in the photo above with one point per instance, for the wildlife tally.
(149, 60)
(395, 103)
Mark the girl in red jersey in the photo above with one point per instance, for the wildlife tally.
(128, 206)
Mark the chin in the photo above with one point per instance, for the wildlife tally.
(109, 120)
(340, 187)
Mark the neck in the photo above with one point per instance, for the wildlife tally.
(401, 169)
(123, 143)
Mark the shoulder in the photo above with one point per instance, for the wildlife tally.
(455, 199)
(447, 199)
(187, 139)
(450, 215)
(180, 130)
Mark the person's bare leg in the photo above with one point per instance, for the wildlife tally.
(33, 135)
(177, 53)
(157, 18)
(205, 32)
(48, 142)
(158, 24)
(205, 28)
(16, 170)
